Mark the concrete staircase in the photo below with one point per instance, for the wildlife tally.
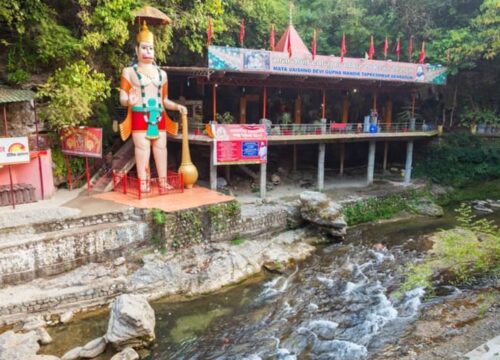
(123, 160)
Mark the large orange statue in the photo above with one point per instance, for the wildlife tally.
(144, 90)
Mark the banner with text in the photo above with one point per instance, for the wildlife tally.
(249, 60)
(240, 144)
(82, 141)
(14, 150)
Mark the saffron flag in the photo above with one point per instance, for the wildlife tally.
(371, 51)
(343, 48)
(289, 46)
(209, 32)
(313, 45)
(271, 37)
(242, 32)
(386, 47)
(398, 48)
(421, 56)
(410, 49)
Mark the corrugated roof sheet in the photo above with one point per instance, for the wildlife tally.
(8, 95)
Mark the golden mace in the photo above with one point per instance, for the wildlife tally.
(187, 168)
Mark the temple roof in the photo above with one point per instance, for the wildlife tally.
(297, 45)
(9, 95)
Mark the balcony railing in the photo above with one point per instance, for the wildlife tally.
(334, 128)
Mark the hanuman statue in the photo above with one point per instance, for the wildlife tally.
(144, 90)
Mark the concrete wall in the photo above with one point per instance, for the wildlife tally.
(29, 174)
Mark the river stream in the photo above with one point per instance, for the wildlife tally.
(339, 304)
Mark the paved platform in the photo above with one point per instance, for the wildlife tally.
(490, 350)
(190, 198)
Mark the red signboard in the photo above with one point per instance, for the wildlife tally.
(82, 141)
(240, 144)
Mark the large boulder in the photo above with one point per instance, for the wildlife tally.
(318, 209)
(18, 346)
(131, 322)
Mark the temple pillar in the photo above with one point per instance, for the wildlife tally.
(371, 162)
(321, 166)
(243, 109)
(321, 159)
(388, 113)
(294, 159)
(298, 110)
(263, 180)
(386, 151)
(342, 158)
(213, 167)
(409, 159)
(345, 109)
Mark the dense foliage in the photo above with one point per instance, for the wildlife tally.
(42, 36)
(460, 159)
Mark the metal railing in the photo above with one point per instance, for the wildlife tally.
(334, 128)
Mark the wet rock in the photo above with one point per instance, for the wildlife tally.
(428, 208)
(126, 354)
(318, 209)
(43, 336)
(131, 323)
(66, 317)
(33, 323)
(93, 348)
(73, 354)
(294, 218)
(18, 346)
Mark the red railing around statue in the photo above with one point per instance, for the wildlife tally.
(156, 186)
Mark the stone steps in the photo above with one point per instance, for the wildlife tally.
(29, 254)
(68, 223)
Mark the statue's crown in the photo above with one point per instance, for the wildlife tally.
(145, 35)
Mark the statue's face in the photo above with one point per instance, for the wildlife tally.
(145, 52)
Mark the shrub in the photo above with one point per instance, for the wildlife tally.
(71, 93)
(460, 159)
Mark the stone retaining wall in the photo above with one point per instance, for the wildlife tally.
(221, 222)
(30, 256)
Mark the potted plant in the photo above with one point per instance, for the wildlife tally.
(286, 120)
(480, 119)
(225, 118)
(317, 127)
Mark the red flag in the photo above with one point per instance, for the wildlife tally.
(386, 47)
(313, 45)
(371, 51)
(289, 46)
(410, 49)
(242, 32)
(209, 32)
(421, 56)
(398, 48)
(343, 48)
(271, 37)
